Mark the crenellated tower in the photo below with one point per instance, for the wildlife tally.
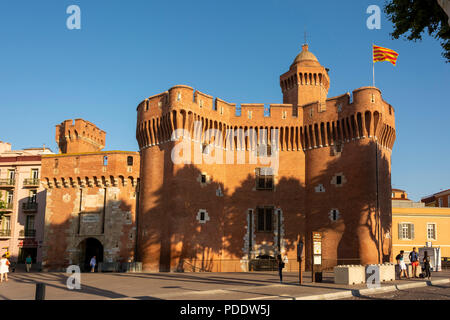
(79, 136)
(306, 81)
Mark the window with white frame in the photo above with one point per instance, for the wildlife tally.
(35, 174)
(9, 197)
(406, 231)
(5, 223)
(431, 231)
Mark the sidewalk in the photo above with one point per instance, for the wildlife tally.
(194, 286)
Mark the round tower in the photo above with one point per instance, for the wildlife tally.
(306, 81)
(347, 142)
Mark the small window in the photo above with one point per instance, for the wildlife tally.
(203, 178)
(372, 99)
(179, 96)
(160, 104)
(403, 196)
(250, 114)
(406, 231)
(56, 163)
(265, 216)
(390, 110)
(202, 216)
(129, 161)
(77, 162)
(264, 179)
(35, 173)
(32, 196)
(431, 231)
(221, 110)
(105, 160)
(200, 103)
(311, 112)
(334, 215)
(5, 224)
(9, 197)
(440, 205)
(284, 114)
(29, 224)
(338, 180)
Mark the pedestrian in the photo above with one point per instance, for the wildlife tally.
(280, 267)
(28, 262)
(401, 264)
(4, 268)
(414, 258)
(92, 264)
(426, 264)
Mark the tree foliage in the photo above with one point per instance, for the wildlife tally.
(417, 16)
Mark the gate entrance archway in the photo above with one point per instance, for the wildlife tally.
(88, 248)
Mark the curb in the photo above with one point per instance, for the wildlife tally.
(360, 292)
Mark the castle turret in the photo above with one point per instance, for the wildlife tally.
(79, 136)
(307, 81)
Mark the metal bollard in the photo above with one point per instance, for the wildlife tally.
(40, 291)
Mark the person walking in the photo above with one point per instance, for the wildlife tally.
(414, 258)
(93, 263)
(280, 267)
(426, 264)
(401, 264)
(28, 262)
(4, 268)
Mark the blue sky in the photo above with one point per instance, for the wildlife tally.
(235, 50)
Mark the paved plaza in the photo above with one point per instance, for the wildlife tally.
(194, 286)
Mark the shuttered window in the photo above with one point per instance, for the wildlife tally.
(406, 231)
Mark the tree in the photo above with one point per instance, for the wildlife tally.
(415, 16)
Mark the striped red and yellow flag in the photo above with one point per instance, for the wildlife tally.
(384, 54)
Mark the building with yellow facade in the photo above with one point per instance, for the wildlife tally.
(417, 225)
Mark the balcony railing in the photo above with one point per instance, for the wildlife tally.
(30, 206)
(6, 207)
(31, 182)
(7, 182)
(5, 233)
(27, 233)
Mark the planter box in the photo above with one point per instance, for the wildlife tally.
(349, 274)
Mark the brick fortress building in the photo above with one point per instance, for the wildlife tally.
(91, 199)
(206, 212)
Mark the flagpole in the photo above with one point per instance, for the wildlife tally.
(373, 68)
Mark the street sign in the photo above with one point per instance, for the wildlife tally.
(317, 248)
